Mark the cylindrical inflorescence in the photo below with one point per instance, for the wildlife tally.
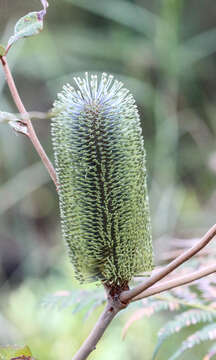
(100, 163)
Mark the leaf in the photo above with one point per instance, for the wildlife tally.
(2, 50)
(188, 318)
(77, 300)
(149, 309)
(29, 25)
(15, 352)
(93, 307)
(206, 333)
(211, 353)
(198, 47)
(123, 12)
(185, 293)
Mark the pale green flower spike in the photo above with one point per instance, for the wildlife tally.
(100, 162)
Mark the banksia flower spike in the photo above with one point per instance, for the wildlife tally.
(100, 162)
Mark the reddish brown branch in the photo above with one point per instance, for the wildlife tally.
(130, 294)
(27, 121)
(178, 281)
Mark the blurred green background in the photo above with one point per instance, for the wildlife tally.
(165, 53)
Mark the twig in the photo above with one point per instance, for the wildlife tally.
(27, 121)
(113, 306)
(145, 290)
(40, 115)
(18, 118)
(178, 281)
(90, 343)
(130, 294)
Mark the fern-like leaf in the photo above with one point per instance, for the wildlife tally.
(206, 333)
(188, 318)
(149, 308)
(211, 353)
(77, 300)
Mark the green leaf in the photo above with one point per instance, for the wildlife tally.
(2, 50)
(29, 25)
(123, 12)
(11, 352)
(211, 353)
(187, 318)
(206, 333)
(76, 299)
(149, 308)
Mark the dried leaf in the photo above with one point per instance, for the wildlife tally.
(15, 352)
(2, 50)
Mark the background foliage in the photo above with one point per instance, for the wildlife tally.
(164, 51)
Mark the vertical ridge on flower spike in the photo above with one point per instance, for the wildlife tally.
(100, 163)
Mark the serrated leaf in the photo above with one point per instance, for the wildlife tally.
(206, 333)
(15, 352)
(29, 25)
(188, 318)
(2, 50)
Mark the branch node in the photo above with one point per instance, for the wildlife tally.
(113, 296)
(19, 127)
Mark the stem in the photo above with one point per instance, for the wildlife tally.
(179, 281)
(26, 120)
(130, 294)
(90, 343)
